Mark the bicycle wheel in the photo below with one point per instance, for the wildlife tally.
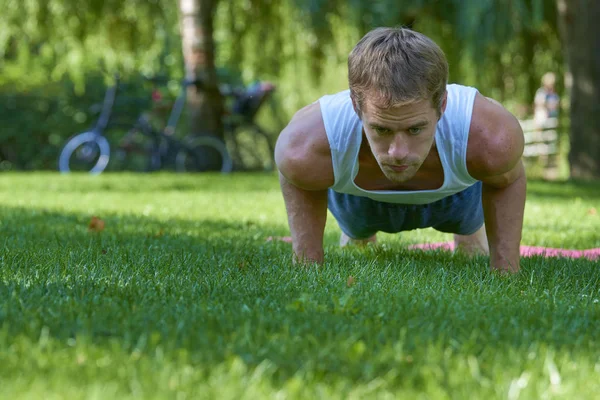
(86, 152)
(203, 153)
(252, 148)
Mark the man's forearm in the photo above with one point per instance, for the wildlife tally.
(503, 211)
(307, 215)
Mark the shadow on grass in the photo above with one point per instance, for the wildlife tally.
(216, 289)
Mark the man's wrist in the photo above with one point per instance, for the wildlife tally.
(503, 264)
(308, 256)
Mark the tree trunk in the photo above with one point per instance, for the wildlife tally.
(580, 33)
(204, 101)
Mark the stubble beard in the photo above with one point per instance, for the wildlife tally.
(398, 177)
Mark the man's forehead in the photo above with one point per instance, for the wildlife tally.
(411, 107)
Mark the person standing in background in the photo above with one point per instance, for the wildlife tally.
(547, 101)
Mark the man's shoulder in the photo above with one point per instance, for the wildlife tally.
(496, 141)
(306, 128)
(302, 151)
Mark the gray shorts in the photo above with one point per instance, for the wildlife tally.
(360, 217)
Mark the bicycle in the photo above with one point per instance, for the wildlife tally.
(142, 147)
(251, 147)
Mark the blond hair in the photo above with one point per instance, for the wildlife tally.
(549, 79)
(393, 66)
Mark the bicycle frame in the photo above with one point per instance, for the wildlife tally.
(177, 109)
(160, 154)
(179, 104)
(107, 105)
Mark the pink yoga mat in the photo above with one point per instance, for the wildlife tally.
(526, 251)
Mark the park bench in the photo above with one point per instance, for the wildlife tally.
(541, 138)
(541, 146)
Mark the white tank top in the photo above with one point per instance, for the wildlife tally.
(344, 132)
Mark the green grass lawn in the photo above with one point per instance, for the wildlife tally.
(181, 297)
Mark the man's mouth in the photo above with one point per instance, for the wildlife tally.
(398, 168)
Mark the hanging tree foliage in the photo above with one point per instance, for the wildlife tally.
(48, 39)
(72, 36)
(500, 46)
(263, 37)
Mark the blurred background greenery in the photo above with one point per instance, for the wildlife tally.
(56, 56)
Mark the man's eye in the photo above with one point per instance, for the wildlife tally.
(415, 131)
(380, 130)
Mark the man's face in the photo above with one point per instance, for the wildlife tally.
(400, 137)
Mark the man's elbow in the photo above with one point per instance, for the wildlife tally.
(515, 176)
(289, 163)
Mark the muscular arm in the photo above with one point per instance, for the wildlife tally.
(503, 200)
(305, 172)
(307, 214)
(494, 157)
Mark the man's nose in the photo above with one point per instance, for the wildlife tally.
(398, 149)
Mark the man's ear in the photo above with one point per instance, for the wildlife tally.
(444, 103)
(355, 105)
